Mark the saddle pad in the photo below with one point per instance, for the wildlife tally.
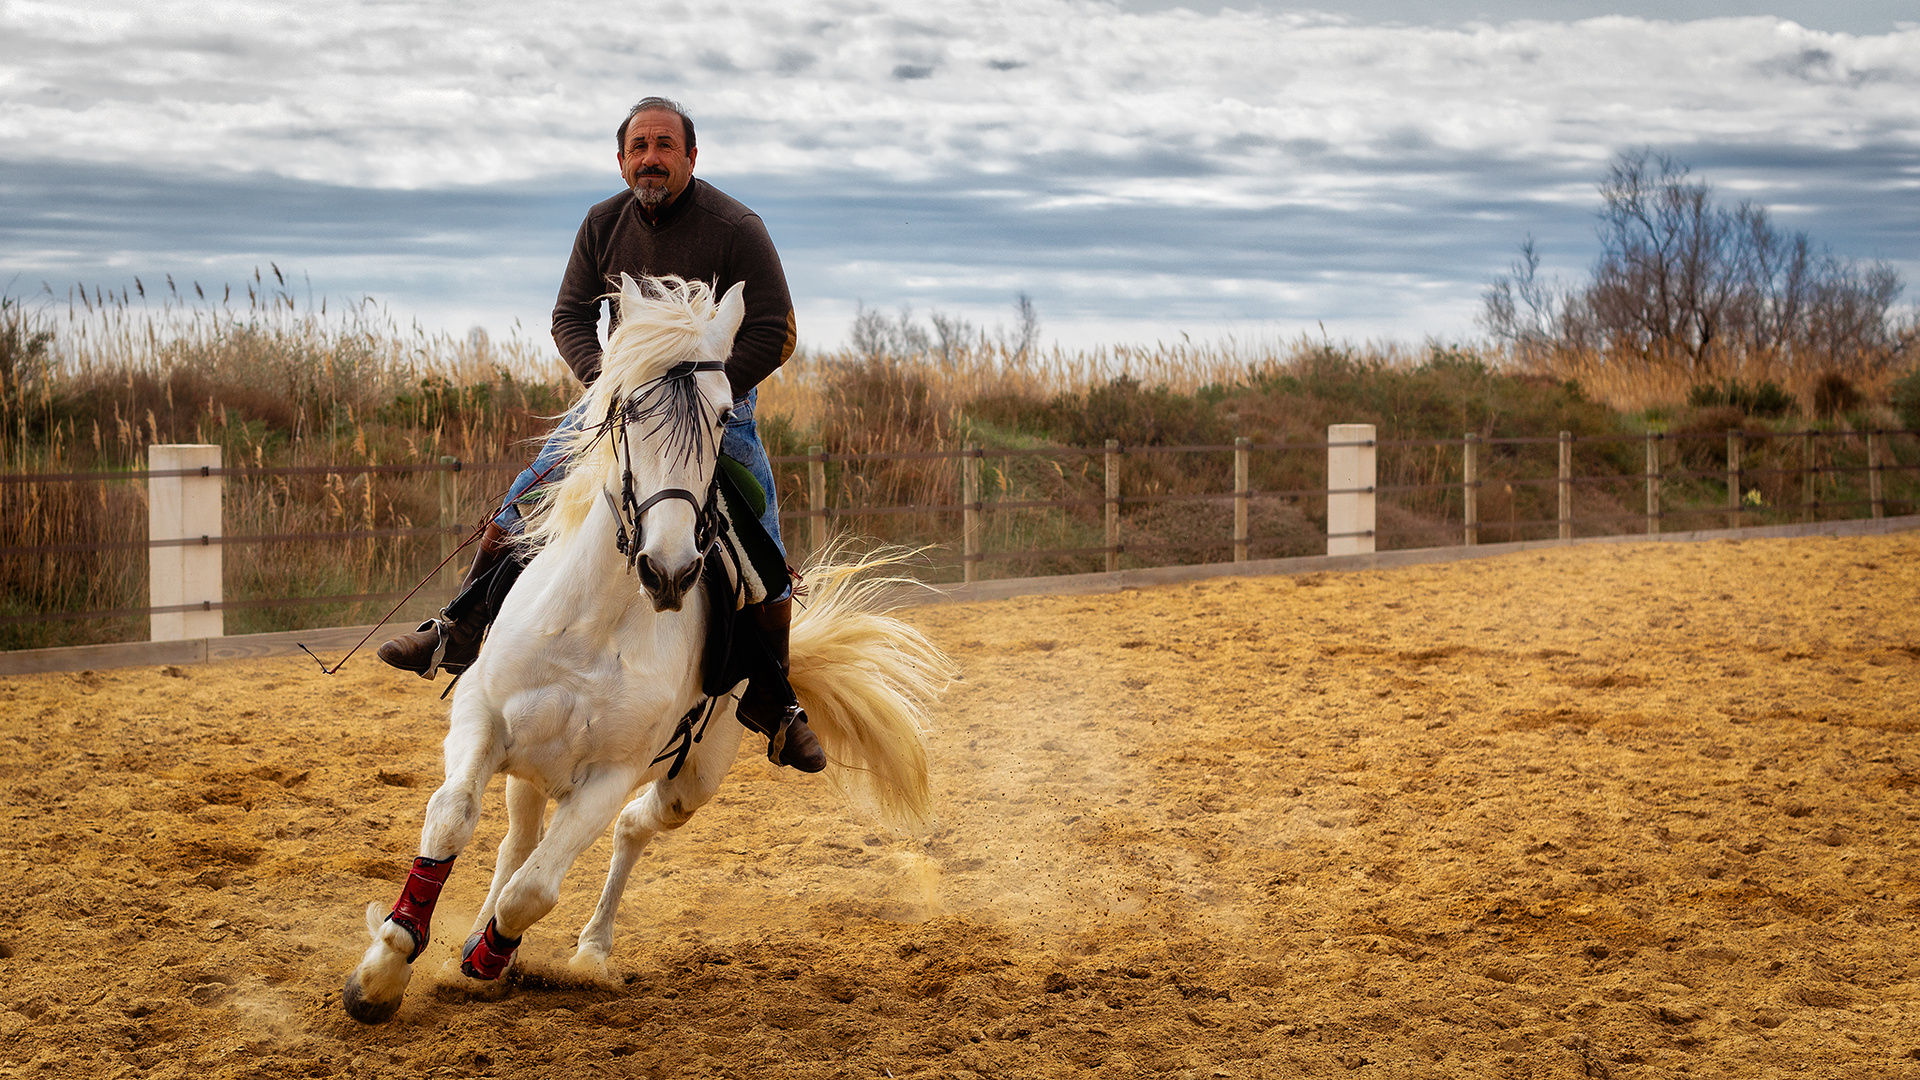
(755, 564)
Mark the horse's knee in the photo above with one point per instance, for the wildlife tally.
(523, 903)
(453, 803)
(452, 813)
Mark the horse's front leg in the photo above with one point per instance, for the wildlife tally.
(474, 750)
(579, 818)
(664, 805)
(526, 811)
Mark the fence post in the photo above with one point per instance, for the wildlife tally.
(1242, 493)
(1566, 485)
(1350, 474)
(184, 508)
(450, 516)
(1470, 487)
(1113, 505)
(816, 499)
(1873, 479)
(970, 514)
(1806, 475)
(1653, 483)
(1733, 478)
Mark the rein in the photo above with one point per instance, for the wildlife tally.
(629, 509)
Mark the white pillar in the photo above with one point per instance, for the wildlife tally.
(184, 508)
(1350, 469)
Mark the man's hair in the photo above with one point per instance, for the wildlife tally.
(649, 104)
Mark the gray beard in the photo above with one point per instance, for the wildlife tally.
(653, 198)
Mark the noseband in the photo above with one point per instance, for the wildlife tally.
(630, 508)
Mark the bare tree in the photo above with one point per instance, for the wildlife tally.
(1684, 280)
(952, 335)
(1524, 312)
(875, 335)
(1026, 325)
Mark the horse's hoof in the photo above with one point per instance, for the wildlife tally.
(590, 964)
(358, 1007)
(487, 954)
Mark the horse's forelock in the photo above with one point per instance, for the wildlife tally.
(663, 321)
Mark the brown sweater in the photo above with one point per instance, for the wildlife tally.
(705, 235)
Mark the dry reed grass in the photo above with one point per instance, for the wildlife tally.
(88, 382)
(92, 380)
(1633, 383)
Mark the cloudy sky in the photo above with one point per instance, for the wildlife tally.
(1141, 169)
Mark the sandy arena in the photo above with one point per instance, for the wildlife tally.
(1617, 811)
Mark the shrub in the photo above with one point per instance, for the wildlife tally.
(1834, 395)
(1906, 399)
(1765, 398)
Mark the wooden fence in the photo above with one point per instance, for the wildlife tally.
(185, 538)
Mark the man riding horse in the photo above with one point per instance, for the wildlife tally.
(665, 223)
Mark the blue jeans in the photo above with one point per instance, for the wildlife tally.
(740, 441)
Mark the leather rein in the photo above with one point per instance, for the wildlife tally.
(630, 508)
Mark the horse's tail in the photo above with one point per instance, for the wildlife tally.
(866, 679)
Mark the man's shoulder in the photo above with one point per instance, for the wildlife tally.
(714, 203)
(608, 209)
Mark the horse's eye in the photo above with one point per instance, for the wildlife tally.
(726, 415)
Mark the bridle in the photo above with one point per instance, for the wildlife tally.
(629, 509)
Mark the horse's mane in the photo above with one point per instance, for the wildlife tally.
(663, 322)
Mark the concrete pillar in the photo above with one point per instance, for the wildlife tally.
(1350, 484)
(184, 508)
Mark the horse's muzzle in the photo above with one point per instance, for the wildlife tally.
(668, 591)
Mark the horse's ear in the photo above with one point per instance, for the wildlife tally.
(726, 317)
(630, 293)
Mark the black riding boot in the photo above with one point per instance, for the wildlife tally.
(769, 706)
(452, 641)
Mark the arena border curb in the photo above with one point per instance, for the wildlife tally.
(287, 643)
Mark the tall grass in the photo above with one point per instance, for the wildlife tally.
(87, 382)
(90, 379)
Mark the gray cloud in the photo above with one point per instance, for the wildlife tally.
(1136, 170)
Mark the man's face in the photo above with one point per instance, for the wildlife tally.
(656, 162)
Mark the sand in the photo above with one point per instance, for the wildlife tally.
(1627, 811)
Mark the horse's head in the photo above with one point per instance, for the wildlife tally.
(661, 402)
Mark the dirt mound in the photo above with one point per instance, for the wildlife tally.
(1600, 811)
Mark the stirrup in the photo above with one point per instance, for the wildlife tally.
(777, 744)
(442, 627)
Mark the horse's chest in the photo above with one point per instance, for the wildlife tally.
(553, 732)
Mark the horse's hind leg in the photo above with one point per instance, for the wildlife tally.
(473, 753)
(665, 804)
(579, 819)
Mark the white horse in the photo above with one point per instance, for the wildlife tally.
(587, 681)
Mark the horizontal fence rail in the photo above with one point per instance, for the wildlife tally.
(1472, 489)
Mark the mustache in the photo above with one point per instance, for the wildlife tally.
(652, 170)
